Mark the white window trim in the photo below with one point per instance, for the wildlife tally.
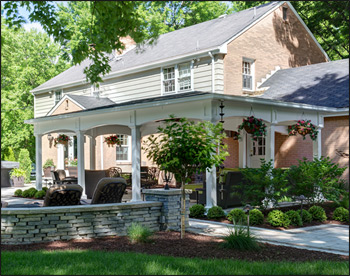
(252, 69)
(129, 152)
(177, 87)
(54, 96)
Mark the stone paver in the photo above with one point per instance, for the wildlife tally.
(327, 238)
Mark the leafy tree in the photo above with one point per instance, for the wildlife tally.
(327, 20)
(28, 59)
(8, 154)
(25, 163)
(184, 148)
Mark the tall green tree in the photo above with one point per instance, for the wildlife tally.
(327, 20)
(28, 59)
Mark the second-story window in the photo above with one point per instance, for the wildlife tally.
(247, 74)
(169, 79)
(184, 77)
(58, 96)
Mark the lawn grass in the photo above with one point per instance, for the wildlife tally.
(87, 262)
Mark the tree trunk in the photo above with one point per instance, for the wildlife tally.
(183, 209)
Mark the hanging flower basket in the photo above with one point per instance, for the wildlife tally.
(112, 140)
(253, 126)
(303, 127)
(62, 139)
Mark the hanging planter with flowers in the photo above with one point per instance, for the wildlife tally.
(253, 126)
(62, 139)
(112, 140)
(303, 127)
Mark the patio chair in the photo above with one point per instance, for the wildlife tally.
(115, 172)
(109, 190)
(63, 195)
(59, 178)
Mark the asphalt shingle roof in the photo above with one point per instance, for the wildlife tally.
(90, 102)
(188, 40)
(322, 84)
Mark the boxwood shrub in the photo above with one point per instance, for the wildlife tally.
(40, 194)
(197, 211)
(294, 218)
(256, 217)
(278, 218)
(318, 213)
(237, 215)
(215, 212)
(341, 214)
(18, 192)
(306, 217)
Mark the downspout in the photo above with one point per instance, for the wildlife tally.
(212, 72)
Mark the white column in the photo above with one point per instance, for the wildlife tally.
(38, 161)
(81, 163)
(317, 145)
(136, 162)
(92, 153)
(211, 193)
(270, 144)
(60, 157)
(242, 149)
(71, 148)
(101, 149)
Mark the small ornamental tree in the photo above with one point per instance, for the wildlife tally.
(184, 148)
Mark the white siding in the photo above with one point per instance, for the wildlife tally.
(219, 74)
(202, 75)
(43, 103)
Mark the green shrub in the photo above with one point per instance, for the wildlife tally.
(44, 189)
(29, 192)
(139, 233)
(40, 194)
(256, 217)
(48, 163)
(341, 214)
(306, 217)
(278, 218)
(215, 212)
(294, 218)
(18, 192)
(239, 238)
(197, 211)
(318, 213)
(9, 155)
(237, 215)
(26, 193)
(17, 173)
(25, 163)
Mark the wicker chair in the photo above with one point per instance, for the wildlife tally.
(63, 195)
(115, 172)
(109, 190)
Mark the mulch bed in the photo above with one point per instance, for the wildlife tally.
(193, 245)
(329, 209)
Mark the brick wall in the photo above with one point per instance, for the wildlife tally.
(66, 107)
(29, 225)
(232, 161)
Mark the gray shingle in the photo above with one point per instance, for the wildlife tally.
(206, 35)
(322, 84)
(91, 102)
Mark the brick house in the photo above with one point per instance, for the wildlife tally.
(262, 60)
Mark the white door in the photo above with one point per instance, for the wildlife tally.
(256, 151)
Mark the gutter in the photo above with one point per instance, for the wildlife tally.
(212, 72)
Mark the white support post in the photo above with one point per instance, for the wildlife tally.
(270, 144)
(136, 162)
(92, 152)
(38, 161)
(243, 150)
(60, 156)
(211, 194)
(317, 145)
(81, 161)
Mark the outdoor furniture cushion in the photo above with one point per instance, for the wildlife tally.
(109, 190)
(92, 177)
(115, 172)
(63, 195)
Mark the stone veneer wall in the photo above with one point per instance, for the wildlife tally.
(29, 225)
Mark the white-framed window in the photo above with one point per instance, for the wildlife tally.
(247, 74)
(95, 90)
(177, 78)
(123, 153)
(285, 15)
(58, 96)
(259, 146)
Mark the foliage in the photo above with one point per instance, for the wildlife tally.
(71, 162)
(9, 154)
(215, 212)
(44, 189)
(303, 127)
(256, 217)
(294, 218)
(237, 215)
(112, 140)
(28, 59)
(261, 186)
(341, 214)
(32, 192)
(138, 233)
(318, 213)
(253, 126)
(344, 201)
(25, 163)
(26, 193)
(327, 20)
(197, 211)
(240, 238)
(61, 139)
(278, 218)
(18, 192)
(306, 217)
(17, 173)
(40, 194)
(183, 148)
(48, 163)
(313, 178)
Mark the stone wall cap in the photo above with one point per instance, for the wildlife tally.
(163, 192)
(9, 164)
(80, 208)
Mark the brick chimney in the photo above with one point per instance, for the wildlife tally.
(128, 42)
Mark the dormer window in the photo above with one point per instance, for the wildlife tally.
(184, 77)
(285, 10)
(95, 90)
(177, 78)
(58, 96)
(247, 74)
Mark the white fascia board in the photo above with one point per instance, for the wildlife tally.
(308, 30)
(144, 67)
(337, 114)
(61, 101)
